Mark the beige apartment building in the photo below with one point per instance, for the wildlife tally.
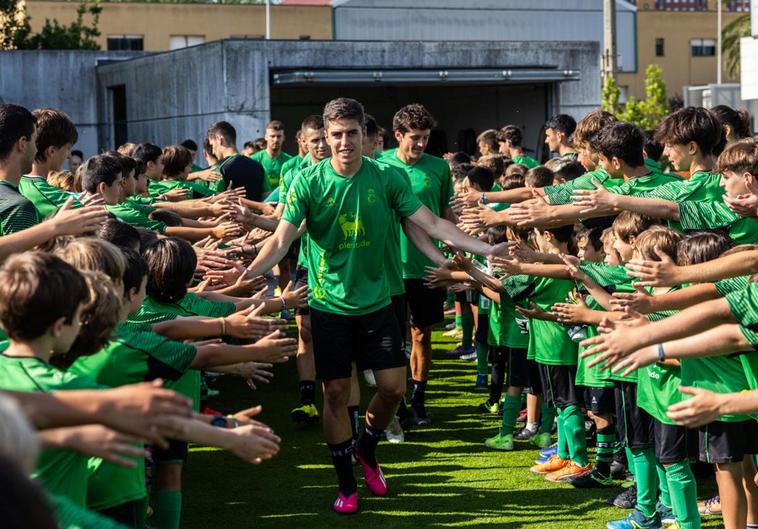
(683, 43)
(170, 26)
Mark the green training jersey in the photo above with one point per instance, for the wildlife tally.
(272, 168)
(347, 222)
(72, 516)
(62, 472)
(47, 199)
(136, 215)
(731, 284)
(743, 304)
(549, 343)
(432, 184)
(561, 193)
(711, 215)
(293, 163)
(644, 184)
(530, 162)
(16, 212)
(720, 374)
(284, 185)
(141, 200)
(198, 187)
(702, 185)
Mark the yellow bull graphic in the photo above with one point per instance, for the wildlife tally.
(351, 226)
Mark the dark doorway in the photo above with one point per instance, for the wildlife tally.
(118, 106)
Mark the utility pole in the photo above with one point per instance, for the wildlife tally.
(718, 41)
(609, 39)
(268, 19)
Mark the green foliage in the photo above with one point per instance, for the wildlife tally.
(646, 113)
(15, 31)
(730, 43)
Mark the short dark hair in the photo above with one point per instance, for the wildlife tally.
(460, 170)
(54, 129)
(372, 127)
(493, 162)
(314, 121)
(175, 160)
(592, 123)
(621, 140)
(344, 108)
(738, 120)
(539, 176)
(513, 181)
(189, 145)
(413, 117)
(567, 168)
(688, 124)
(16, 122)
(702, 246)
(489, 137)
(248, 145)
(740, 156)
(100, 168)
(460, 157)
(167, 217)
(91, 253)
(510, 133)
(119, 233)
(275, 124)
(146, 152)
(135, 271)
(128, 164)
(171, 264)
(36, 289)
(630, 224)
(562, 123)
(77, 152)
(653, 149)
(225, 130)
(481, 177)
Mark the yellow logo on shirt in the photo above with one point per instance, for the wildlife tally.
(371, 195)
(427, 181)
(291, 197)
(351, 225)
(330, 202)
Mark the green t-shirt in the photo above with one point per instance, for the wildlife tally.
(198, 187)
(432, 184)
(289, 165)
(347, 222)
(710, 215)
(284, 186)
(71, 516)
(549, 343)
(530, 162)
(743, 305)
(153, 311)
(721, 374)
(16, 212)
(701, 186)
(47, 199)
(62, 472)
(136, 215)
(141, 200)
(644, 184)
(508, 328)
(561, 193)
(273, 168)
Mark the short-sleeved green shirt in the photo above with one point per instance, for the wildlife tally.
(292, 163)
(644, 184)
(561, 193)
(153, 311)
(530, 162)
(347, 222)
(136, 215)
(710, 215)
(62, 472)
(198, 187)
(141, 200)
(720, 374)
(47, 199)
(515, 327)
(272, 167)
(432, 184)
(16, 212)
(702, 185)
(549, 342)
(284, 185)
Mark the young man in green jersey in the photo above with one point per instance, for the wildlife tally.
(17, 152)
(346, 201)
(433, 186)
(272, 158)
(55, 136)
(558, 132)
(509, 140)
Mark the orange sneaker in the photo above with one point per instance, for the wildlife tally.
(553, 464)
(568, 472)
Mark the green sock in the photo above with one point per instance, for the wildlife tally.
(663, 485)
(467, 323)
(511, 408)
(573, 423)
(563, 447)
(167, 509)
(482, 366)
(450, 297)
(547, 417)
(629, 460)
(683, 488)
(458, 321)
(647, 479)
(604, 453)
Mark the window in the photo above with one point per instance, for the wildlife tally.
(125, 42)
(183, 41)
(660, 47)
(703, 47)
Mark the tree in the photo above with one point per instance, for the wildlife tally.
(611, 95)
(14, 24)
(730, 43)
(646, 113)
(17, 34)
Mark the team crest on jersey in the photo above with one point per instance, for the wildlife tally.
(427, 181)
(329, 202)
(371, 195)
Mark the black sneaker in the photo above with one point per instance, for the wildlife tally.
(594, 480)
(419, 417)
(626, 500)
(618, 470)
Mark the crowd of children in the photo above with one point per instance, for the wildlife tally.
(605, 296)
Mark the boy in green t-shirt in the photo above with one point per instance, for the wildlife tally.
(558, 132)
(272, 158)
(509, 140)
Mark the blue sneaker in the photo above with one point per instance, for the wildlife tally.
(549, 450)
(637, 520)
(481, 382)
(666, 514)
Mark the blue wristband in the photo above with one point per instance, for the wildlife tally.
(483, 200)
(661, 353)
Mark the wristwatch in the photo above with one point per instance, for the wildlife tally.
(219, 421)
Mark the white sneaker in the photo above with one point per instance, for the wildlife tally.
(394, 432)
(450, 326)
(368, 375)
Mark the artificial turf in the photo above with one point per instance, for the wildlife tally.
(442, 476)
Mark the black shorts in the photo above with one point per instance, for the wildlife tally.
(460, 297)
(127, 514)
(535, 379)
(301, 279)
(600, 401)
(670, 443)
(518, 368)
(482, 329)
(400, 308)
(473, 297)
(634, 425)
(728, 442)
(427, 305)
(175, 453)
(559, 385)
(372, 341)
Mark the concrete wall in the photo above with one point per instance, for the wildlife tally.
(61, 79)
(173, 96)
(157, 22)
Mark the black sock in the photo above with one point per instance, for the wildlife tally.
(417, 397)
(343, 464)
(498, 376)
(367, 444)
(307, 392)
(402, 410)
(354, 413)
